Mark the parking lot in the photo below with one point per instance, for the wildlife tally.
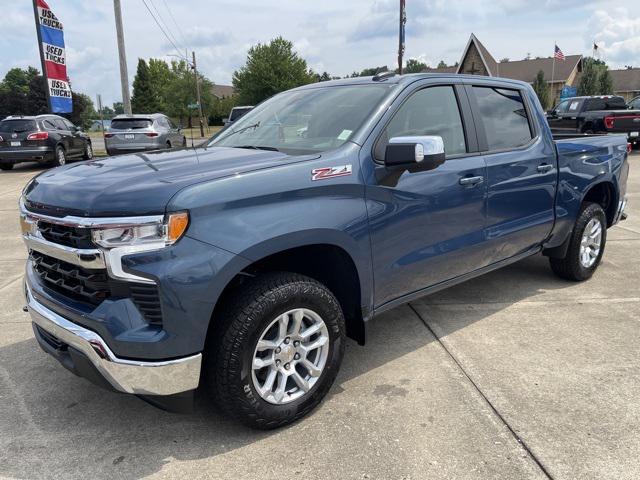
(513, 375)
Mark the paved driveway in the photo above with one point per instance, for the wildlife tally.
(513, 375)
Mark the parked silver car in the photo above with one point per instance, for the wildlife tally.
(134, 133)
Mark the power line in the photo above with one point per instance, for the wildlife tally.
(184, 39)
(165, 24)
(165, 33)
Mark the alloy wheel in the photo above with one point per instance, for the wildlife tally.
(290, 356)
(591, 242)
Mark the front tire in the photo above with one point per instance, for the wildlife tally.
(276, 351)
(88, 151)
(6, 166)
(586, 245)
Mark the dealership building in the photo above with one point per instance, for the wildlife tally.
(477, 60)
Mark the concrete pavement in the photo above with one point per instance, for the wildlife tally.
(514, 375)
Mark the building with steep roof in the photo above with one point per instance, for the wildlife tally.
(477, 60)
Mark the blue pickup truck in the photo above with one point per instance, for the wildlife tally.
(242, 265)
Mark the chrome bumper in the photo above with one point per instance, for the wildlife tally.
(129, 376)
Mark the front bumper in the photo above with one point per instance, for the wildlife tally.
(167, 377)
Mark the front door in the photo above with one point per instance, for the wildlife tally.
(521, 170)
(427, 227)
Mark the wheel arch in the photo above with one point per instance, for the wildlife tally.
(606, 195)
(330, 264)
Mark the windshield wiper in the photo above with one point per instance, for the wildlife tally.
(253, 125)
(258, 147)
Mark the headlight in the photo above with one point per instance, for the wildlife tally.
(157, 234)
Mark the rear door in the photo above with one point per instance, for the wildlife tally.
(76, 136)
(66, 136)
(521, 169)
(426, 227)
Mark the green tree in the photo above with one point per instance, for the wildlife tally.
(270, 68)
(83, 111)
(144, 99)
(36, 99)
(118, 108)
(160, 77)
(605, 82)
(592, 69)
(442, 64)
(541, 87)
(15, 91)
(414, 65)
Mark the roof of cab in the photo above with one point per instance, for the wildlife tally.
(406, 79)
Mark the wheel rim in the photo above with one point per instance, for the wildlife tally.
(290, 356)
(591, 242)
(89, 151)
(61, 158)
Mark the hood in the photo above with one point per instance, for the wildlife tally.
(141, 183)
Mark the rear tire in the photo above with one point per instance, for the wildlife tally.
(60, 158)
(586, 245)
(268, 322)
(6, 166)
(168, 145)
(184, 141)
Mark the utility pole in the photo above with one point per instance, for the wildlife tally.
(195, 73)
(99, 99)
(124, 75)
(403, 20)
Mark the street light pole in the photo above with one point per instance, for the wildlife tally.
(195, 72)
(124, 75)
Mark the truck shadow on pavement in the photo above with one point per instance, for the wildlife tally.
(56, 425)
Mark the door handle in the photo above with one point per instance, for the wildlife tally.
(471, 181)
(544, 168)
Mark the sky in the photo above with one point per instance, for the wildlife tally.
(337, 36)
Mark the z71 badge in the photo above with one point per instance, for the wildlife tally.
(330, 172)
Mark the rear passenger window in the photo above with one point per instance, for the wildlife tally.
(431, 111)
(504, 117)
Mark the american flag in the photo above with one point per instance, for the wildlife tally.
(558, 53)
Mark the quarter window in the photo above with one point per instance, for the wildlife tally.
(430, 111)
(504, 116)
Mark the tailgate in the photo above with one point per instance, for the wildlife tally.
(624, 122)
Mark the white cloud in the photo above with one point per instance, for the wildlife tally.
(617, 34)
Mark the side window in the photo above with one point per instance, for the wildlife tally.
(563, 107)
(70, 126)
(163, 122)
(60, 124)
(48, 124)
(172, 124)
(430, 111)
(573, 106)
(504, 116)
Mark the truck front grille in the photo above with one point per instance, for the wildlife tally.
(91, 287)
(65, 235)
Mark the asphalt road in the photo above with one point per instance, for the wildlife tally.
(514, 375)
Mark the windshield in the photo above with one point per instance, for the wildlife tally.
(305, 121)
(133, 123)
(17, 126)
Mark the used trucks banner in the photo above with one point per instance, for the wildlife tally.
(52, 53)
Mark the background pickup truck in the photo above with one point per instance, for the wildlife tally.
(603, 114)
(244, 264)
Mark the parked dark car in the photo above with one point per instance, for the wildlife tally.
(601, 114)
(236, 113)
(46, 139)
(634, 104)
(245, 263)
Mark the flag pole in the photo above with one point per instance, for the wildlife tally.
(42, 61)
(553, 72)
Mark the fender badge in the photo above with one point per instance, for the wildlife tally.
(330, 172)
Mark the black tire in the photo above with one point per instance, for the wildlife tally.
(60, 157)
(6, 166)
(184, 141)
(231, 346)
(88, 151)
(168, 145)
(570, 267)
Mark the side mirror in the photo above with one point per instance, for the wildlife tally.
(552, 113)
(225, 121)
(414, 153)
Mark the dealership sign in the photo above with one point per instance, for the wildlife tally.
(54, 61)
